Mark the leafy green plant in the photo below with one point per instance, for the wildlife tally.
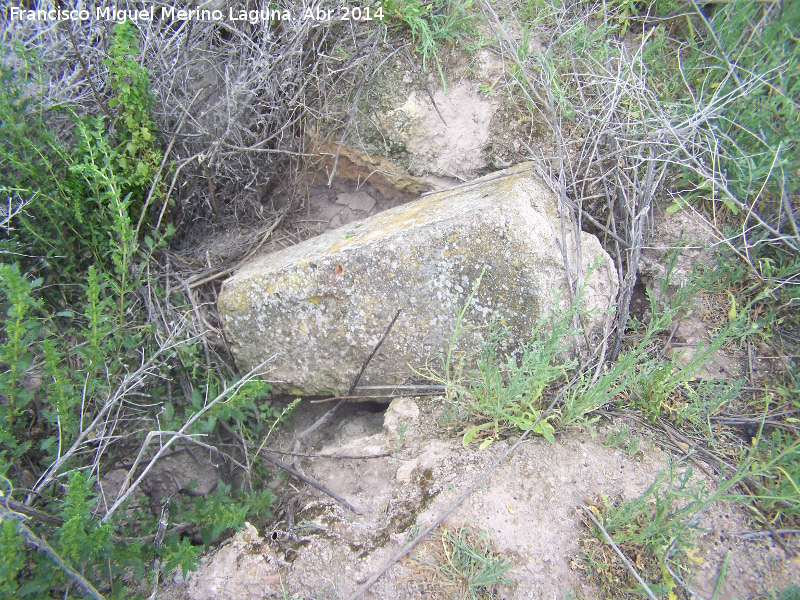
(625, 14)
(657, 527)
(659, 520)
(501, 392)
(21, 329)
(76, 343)
(643, 378)
(97, 169)
(507, 391)
(624, 10)
(33, 176)
(778, 482)
(138, 155)
(462, 564)
(11, 558)
(654, 390)
(217, 512)
(434, 24)
(625, 440)
(82, 541)
(504, 391)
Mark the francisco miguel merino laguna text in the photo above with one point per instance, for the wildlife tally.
(17, 13)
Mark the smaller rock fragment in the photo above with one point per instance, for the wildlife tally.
(363, 446)
(406, 470)
(360, 201)
(244, 569)
(398, 419)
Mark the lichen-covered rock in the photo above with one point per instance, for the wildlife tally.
(318, 308)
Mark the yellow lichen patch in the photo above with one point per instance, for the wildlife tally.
(233, 301)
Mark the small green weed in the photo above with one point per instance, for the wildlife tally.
(778, 478)
(507, 391)
(433, 24)
(503, 392)
(459, 564)
(402, 430)
(138, 154)
(12, 558)
(625, 440)
(655, 530)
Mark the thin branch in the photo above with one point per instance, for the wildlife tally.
(130, 383)
(628, 564)
(127, 487)
(374, 350)
(103, 106)
(263, 453)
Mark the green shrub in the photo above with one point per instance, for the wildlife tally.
(138, 154)
(12, 558)
(75, 340)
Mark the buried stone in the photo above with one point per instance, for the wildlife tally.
(317, 309)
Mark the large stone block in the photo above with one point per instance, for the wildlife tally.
(320, 307)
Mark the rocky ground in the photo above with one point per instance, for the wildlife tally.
(528, 509)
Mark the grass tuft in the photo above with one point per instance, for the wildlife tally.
(460, 564)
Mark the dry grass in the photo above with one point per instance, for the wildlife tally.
(234, 100)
